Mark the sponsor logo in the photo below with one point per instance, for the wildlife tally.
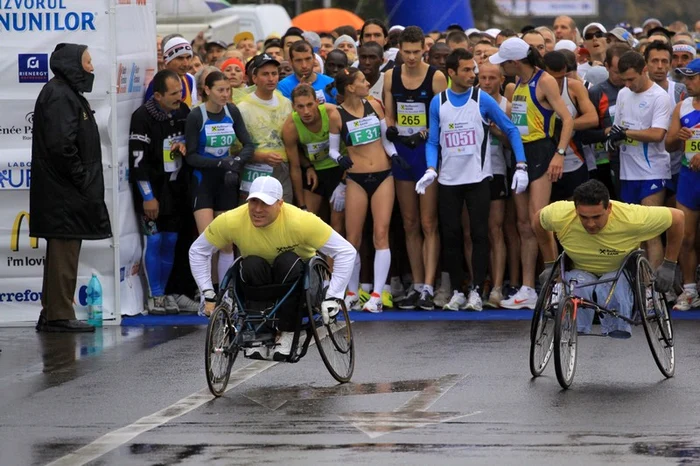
(24, 296)
(135, 79)
(122, 79)
(17, 175)
(43, 15)
(132, 2)
(15, 233)
(33, 68)
(23, 130)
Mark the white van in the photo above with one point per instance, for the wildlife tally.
(219, 20)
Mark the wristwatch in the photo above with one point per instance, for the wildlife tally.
(561, 151)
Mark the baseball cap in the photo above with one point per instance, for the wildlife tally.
(512, 48)
(622, 35)
(648, 21)
(262, 60)
(396, 27)
(243, 35)
(493, 32)
(692, 69)
(176, 47)
(565, 45)
(313, 39)
(267, 189)
(218, 43)
(598, 26)
(660, 30)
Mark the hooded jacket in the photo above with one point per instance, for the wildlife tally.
(66, 197)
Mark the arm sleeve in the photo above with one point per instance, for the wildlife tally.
(61, 117)
(193, 158)
(334, 146)
(200, 262)
(389, 147)
(433, 145)
(491, 111)
(343, 255)
(242, 134)
(663, 108)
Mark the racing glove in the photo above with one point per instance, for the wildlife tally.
(426, 180)
(338, 198)
(665, 276)
(520, 178)
(329, 309)
(398, 161)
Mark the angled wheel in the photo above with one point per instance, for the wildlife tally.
(565, 342)
(542, 327)
(334, 340)
(656, 319)
(220, 354)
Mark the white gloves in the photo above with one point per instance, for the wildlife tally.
(426, 180)
(520, 178)
(329, 309)
(338, 198)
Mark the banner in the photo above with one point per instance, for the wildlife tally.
(120, 35)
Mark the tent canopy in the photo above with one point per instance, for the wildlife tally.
(327, 19)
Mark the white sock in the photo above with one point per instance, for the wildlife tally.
(225, 263)
(366, 287)
(690, 289)
(429, 289)
(445, 281)
(418, 286)
(382, 263)
(354, 282)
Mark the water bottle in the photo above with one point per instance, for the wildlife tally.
(94, 302)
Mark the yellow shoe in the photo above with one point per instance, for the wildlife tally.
(364, 296)
(387, 300)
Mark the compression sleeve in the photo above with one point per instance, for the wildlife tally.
(145, 190)
(201, 252)
(334, 146)
(491, 111)
(343, 255)
(389, 147)
(433, 145)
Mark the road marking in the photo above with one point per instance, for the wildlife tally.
(119, 437)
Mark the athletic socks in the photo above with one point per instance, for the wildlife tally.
(429, 289)
(382, 263)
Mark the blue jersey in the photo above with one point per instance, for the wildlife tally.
(287, 85)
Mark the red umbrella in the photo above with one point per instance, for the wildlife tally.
(327, 19)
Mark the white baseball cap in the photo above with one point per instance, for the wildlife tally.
(267, 189)
(512, 48)
(493, 32)
(598, 26)
(565, 45)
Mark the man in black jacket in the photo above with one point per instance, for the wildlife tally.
(66, 198)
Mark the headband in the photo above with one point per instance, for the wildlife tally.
(232, 61)
(176, 47)
(684, 48)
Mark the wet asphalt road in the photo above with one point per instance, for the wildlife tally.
(422, 393)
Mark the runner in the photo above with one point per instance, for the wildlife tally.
(408, 90)
(370, 56)
(374, 30)
(564, 28)
(301, 57)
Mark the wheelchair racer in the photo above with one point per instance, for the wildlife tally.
(275, 239)
(597, 234)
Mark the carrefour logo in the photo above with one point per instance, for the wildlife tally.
(43, 15)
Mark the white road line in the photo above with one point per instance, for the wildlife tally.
(119, 437)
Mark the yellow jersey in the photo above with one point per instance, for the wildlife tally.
(628, 225)
(534, 122)
(264, 121)
(293, 230)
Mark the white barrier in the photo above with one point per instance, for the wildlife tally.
(120, 35)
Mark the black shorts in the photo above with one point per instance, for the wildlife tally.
(209, 191)
(500, 189)
(563, 189)
(538, 154)
(328, 180)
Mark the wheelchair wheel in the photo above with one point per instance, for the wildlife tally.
(656, 319)
(219, 353)
(565, 342)
(542, 327)
(334, 340)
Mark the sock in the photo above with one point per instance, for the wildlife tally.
(418, 286)
(429, 289)
(445, 281)
(225, 263)
(152, 264)
(366, 287)
(690, 289)
(354, 282)
(382, 263)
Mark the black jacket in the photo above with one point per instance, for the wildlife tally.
(66, 198)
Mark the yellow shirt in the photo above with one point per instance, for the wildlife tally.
(294, 230)
(264, 122)
(628, 225)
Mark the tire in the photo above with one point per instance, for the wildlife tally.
(219, 353)
(542, 326)
(565, 342)
(334, 340)
(656, 319)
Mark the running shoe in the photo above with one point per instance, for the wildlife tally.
(374, 304)
(283, 346)
(457, 302)
(156, 306)
(261, 353)
(525, 298)
(411, 300)
(442, 297)
(364, 296)
(352, 301)
(426, 301)
(186, 305)
(687, 301)
(387, 300)
(495, 298)
(171, 306)
(474, 301)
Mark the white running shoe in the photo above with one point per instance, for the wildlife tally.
(525, 298)
(686, 302)
(283, 346)
(441, 298)
(457, 302)
(374, 304)
(352, 301)
(261, 353)
(556, 293)
(474, 301)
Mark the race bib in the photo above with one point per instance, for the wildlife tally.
(317, 151)
(219, 138)
(253, 171)
(629, 142)
(518, 116)
(692, 145)
(172, 162)
(460, 138)
(364, 130)
(410, 117)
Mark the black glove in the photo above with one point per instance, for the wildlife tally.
(413, 140)
(665, 276)
(617, 133)
(231, 179)
(548, 266)
(398, 161)
(344, 162)
(231, 164)
(392, 134)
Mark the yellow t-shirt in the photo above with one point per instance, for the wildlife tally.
(628, 225)
(294, 230)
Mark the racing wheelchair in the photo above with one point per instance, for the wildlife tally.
(234, 327)
(554, 331)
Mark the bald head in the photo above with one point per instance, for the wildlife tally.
(565, 28)
(490, 78)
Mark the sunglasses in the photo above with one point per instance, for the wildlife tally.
(594, 35)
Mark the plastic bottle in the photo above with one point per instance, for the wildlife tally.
(94, 301)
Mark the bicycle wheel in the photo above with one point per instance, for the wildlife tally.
(219, 358)
(565, 342)
(334, 340)
(542, 326)
(656, 319)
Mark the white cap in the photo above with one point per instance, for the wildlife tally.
(598, 26)
(396, 27)
(512, 48)
(493, 32)
(267, 189)
(566, 45)
(176, 47)
(471, 31)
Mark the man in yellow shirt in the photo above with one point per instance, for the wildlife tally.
(275, 239)
(597, 234)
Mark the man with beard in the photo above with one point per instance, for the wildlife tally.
(301, 56)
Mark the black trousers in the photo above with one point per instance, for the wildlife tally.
(60, 278)
(287, 268)
(450, 202)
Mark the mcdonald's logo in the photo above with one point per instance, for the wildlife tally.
(14, 235)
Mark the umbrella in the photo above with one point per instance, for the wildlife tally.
(327, 19)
